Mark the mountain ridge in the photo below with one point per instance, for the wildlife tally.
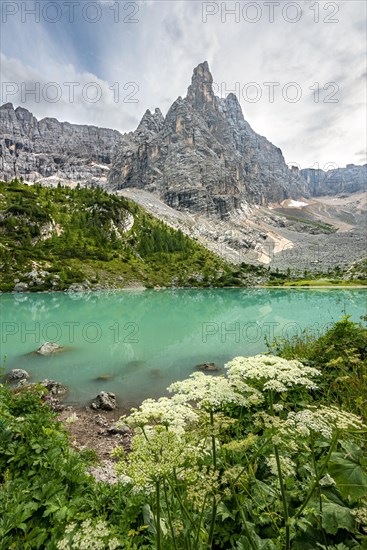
(46, 148)
(202, 157)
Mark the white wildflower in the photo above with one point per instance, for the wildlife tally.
(90, 536)
(361, 517)
(113, 544)
(63, 544)
(170, 412)
(324, 420)
(208, 392)
(155, 454)
(273, 373)
(287, 466)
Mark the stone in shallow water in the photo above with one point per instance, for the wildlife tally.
(16, 375)
(104, 377)
(55, 388)
(156, 373)
(208, 367)
(48, 348)
(105, 401)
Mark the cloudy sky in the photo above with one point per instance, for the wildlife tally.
(299, 68)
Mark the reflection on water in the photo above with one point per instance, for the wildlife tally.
(135, 343)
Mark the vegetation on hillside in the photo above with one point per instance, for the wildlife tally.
(270, 456)
(356, 274)
(66, 236)
(51, 238)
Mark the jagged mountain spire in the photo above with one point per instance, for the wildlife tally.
(200, 93)
(206, 158)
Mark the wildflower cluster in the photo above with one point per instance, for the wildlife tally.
(196, 458)
(88, 537)
(323, 420)
(271, 373)
(288, 467)
(169, 412)
(297, 427)
(361, 517)
(200, 482)
(155, 453)
(211, 392)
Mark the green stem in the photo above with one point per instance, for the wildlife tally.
(183, 508)
(233, 483)
(214, 508)
(199, 524)
(319, 476)
(244, 521)
(213, 440)
(281, 483)
(284, 500)
(319, 493)
(212, 524)
(158, 516)
(169, 515)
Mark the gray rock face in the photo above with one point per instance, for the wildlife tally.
(16, 375)
(338, 180)
(21, 287)
(105, 401)
(203, 157)
(78, 287)
(50, 151)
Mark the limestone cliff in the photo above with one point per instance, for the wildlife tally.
(204, 157)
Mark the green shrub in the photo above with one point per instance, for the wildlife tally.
(341, 355)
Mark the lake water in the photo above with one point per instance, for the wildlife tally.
(144, 340)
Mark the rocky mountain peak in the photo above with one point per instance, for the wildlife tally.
(200, 93)
(205, 157)
(7, 107)
(151, 123)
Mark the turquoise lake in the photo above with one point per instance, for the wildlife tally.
(144, 340)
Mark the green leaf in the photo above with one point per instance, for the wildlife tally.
(223, 512)
(350, 477)
(149, 519)
(335, 517)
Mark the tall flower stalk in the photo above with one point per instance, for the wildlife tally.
(281, 483)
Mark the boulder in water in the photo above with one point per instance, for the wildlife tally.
(49, 348)
(55, 388)
(16, 375)
(105, 401)
(207, 367)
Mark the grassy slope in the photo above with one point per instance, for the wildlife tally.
(87, 241)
